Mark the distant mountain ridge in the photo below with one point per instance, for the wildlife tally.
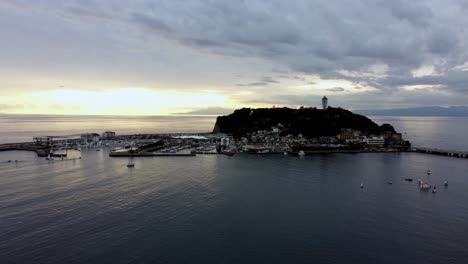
(209, 111)
(455, 111)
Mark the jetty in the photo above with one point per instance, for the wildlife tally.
(41, 150)
(441, 152)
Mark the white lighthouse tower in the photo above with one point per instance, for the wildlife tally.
(325, 103)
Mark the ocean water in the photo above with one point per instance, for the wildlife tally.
(432, 132)
(22, 128)
(448, 133)
(240, 209)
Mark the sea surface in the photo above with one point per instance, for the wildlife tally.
(22, 128)
(447, 133)
(239, 209)
(433, 132)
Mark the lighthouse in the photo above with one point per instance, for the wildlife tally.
(325, 103)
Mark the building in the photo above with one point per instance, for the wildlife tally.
(328, 140)
(108, 135)
(89, 138)
(225, 142)
(45, 141)
(374, 141)
(325, 103)
(344, 137)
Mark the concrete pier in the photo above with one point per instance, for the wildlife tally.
(42, 151)
(441, 152)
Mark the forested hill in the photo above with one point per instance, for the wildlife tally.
(310, 122)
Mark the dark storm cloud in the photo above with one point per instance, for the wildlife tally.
(269, 79)
(336, 89)
(254, 84)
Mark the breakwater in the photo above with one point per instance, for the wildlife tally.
(42, 151)
(441, 152)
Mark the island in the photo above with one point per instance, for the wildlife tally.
(306, 129)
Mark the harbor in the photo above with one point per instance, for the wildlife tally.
(187, 145)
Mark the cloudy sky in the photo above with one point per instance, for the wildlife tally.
(160, 57)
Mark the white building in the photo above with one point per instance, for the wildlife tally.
(90, 138)
(225, 142)
(108, 135)
(375, 141)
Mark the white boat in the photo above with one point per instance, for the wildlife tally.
(301, 153)
(425, 187)
(428, 172)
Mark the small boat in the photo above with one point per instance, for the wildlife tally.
(301, 153)
(362, 185)
(445, 183)
(434, 190)
(408, 179)
(229, 153)
(429, 172)
(390, 182)
(130, 165)
(285, 153)
(425, 187)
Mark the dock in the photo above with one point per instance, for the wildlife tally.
(148, 154)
